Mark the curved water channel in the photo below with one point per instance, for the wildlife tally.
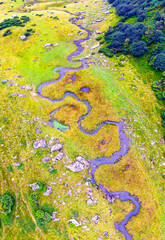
(124, 142)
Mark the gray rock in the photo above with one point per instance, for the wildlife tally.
(39, 144)
(26, 87)
(48, 191)
(54, 217)
(38, 131)
(76, 167)
(96, 218)
(46, 159)
(23, 37)
(105, 234)
(56, 147)
(5, 81)
(74, 221)
(69, 193)
(111, 199)
(34, 186)
(16, 164)
(90, 202)
(58, 157)
(98, 32)
(48, 45)
(51, 168)
(80, 164)
(82, 161)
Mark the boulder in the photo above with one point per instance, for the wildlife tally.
(69, 193)
(90, 202)
(34, 186)
(80, 164)
(98, 32)
(95, 46)
(23, 37)
(46, 159)
(38, 131)
(54, 217)
(48, 45)
(40, 144)
(74, 221)
(105, 234)
(56, 147)
(110, 199)
(48, 191)
(58, 157)
(76, 167)
(16, 164)
(82, 161)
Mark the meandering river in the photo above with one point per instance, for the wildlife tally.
(124, 141)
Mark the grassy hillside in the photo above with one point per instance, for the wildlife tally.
(120, 89)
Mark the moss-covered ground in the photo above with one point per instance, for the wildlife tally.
(120, 88)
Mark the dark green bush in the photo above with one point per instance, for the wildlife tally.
(7, 32)
(7, 202)
(163, 114)
(99, 38)
(159, 95)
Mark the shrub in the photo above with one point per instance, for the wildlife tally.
(156, 37)
(159, 62)
(101, 42)
(42, 217)
(33, 197)
(159, 95)
(10, 168)
(138, 48)
(99, 38)
(7, 202)
(163, 114)
(7, 32)
(25, 19)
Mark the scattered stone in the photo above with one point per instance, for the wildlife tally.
(23, 37)
(15, 16)
(78, 166)
(26, 87)
(48, 45)
(38, 131)
(54, 217)
(69, 193)
(95, 46)
(98, 32)
(90, 202)
(16, 164)
(96, 218)
(5, 81)
(34, 186)
(51, 168)
(56, 44)
(46, 159)
(110, 199)
(48, 191)
(56, 147)
(82, 160)
(39, 144)
(58, 157)
(105, 234)
(74, 221)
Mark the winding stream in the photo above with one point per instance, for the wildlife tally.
(124, 142)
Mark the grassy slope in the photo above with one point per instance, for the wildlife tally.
(117, 98)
